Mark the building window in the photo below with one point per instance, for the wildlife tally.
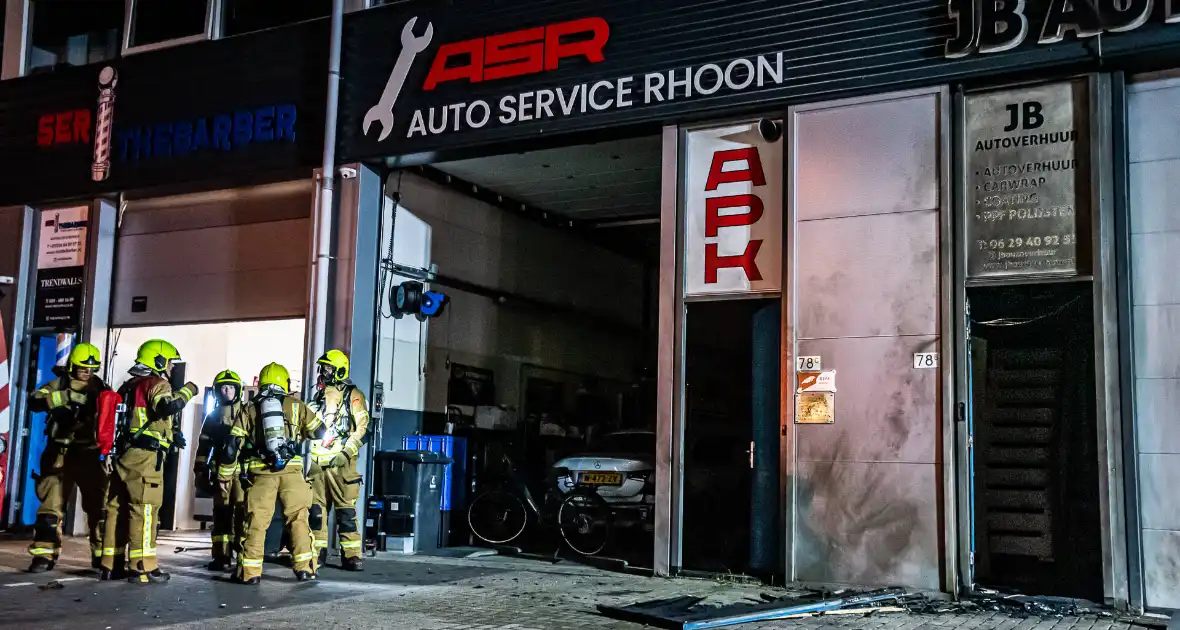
(73, 33)
(244, 16)
(153, 24)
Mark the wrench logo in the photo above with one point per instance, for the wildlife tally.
(411, 45)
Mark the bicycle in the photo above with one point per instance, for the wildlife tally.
(501, 514)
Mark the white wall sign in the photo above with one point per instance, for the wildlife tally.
(824, 381)
(925, 360)
(808, 364)
(62, 242)
(733, 192)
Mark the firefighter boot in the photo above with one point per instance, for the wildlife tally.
(41, 564)
(108, 575)
(352, 564)
(155, 576)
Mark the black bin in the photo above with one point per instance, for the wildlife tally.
(410, 484)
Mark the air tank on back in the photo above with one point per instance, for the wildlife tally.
(274, 428)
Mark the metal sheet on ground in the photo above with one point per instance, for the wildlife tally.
(687, 613)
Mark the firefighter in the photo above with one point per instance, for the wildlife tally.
(229, 498)
(335, 482)
(71, 456)
(137, 485)
(266, 440)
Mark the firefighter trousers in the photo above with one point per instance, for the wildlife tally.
(133, 508)
(338, 489)
(229, 520)
(63, 469)
(290, 487)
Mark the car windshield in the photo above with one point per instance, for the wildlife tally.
(626, 443)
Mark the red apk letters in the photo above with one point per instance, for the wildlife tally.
(714, 220)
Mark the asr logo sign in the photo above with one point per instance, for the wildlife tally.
(992, 26)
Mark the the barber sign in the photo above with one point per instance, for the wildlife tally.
(732, 212)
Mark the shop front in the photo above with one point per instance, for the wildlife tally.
(900, 273)
(163, 195)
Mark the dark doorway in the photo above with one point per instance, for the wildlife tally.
(731, 436)
(1036, 465)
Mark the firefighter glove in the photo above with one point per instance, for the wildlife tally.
(179, 442)
(77, 398)
(340, 460)
(189, 390)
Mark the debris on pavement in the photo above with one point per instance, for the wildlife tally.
(52, 585)
(1012, 604)
(687, 613)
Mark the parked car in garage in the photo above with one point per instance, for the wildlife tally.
(620, 466)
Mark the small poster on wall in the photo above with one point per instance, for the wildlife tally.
(61, 267)
(471, 386)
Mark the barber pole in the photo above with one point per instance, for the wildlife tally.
(100, 168)
(64, 341)
(5, 415)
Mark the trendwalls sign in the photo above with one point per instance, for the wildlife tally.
(992, 26)
(61, 267)
(1028, 203)
(732, 211)
(537, 51)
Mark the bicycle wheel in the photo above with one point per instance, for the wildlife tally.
(497, 517)
(586, 522)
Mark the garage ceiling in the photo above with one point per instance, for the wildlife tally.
(608, 180)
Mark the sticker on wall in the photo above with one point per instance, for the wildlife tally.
(815, 397)
(733, 189)
(824, 381)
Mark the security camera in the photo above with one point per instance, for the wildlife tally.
(770, 130)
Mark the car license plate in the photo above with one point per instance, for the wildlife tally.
(601, 478)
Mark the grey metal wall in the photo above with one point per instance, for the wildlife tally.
(867, 191)
(223, 256)
(1154, 191)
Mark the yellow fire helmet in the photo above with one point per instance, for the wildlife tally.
(338, 360)
(157, 354)
(227, 377)
(276, 375)
(85, 355)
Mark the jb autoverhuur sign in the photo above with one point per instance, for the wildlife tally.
(993, 26)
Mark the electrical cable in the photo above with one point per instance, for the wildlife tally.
(1022, 321)
(387, 262)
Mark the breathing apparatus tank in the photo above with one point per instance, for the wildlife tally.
(274, 429)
